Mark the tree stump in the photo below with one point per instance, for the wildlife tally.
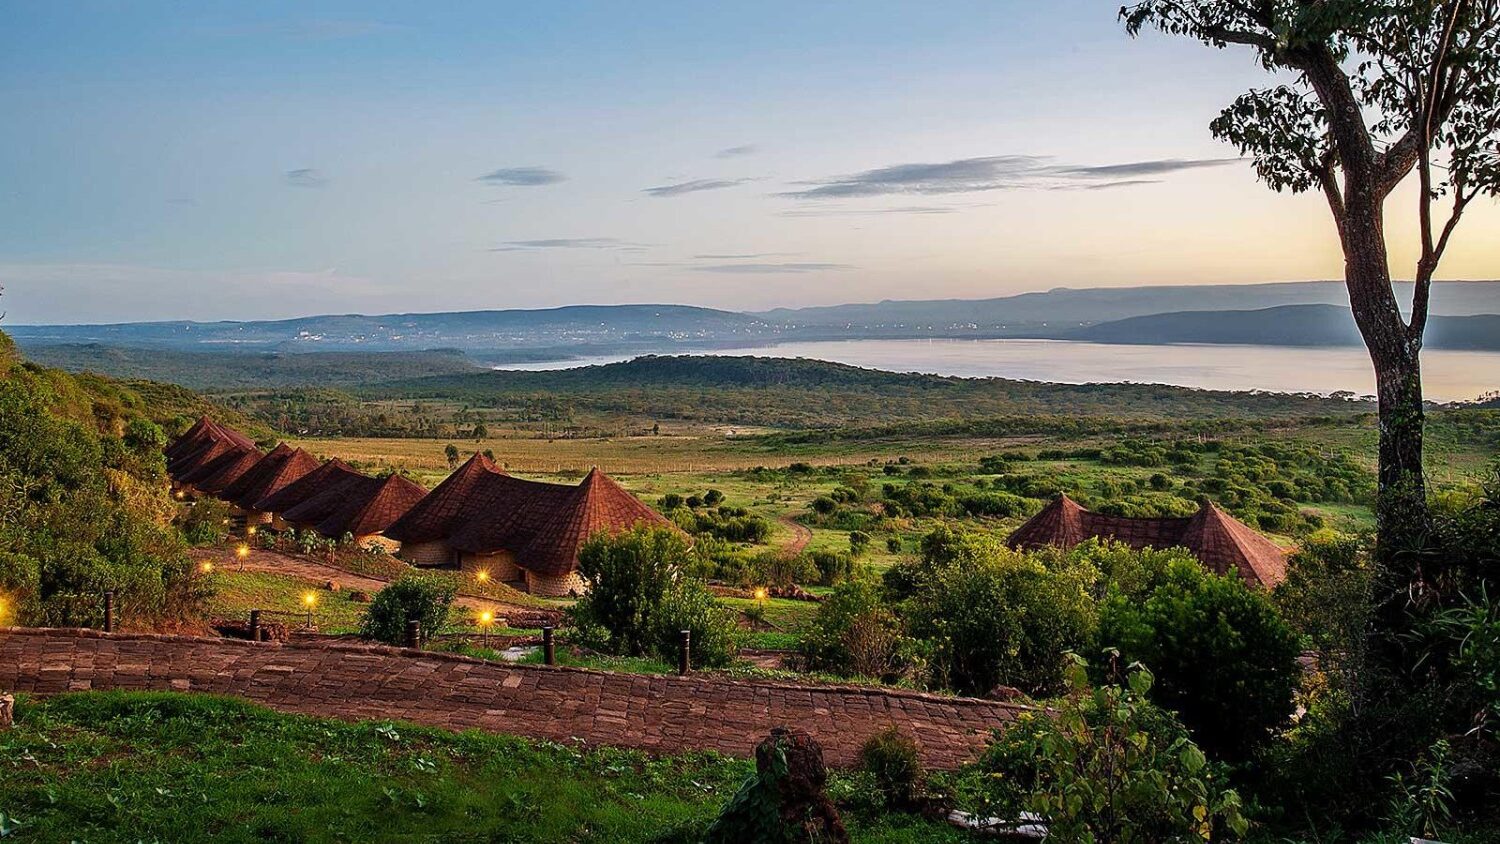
(784, 801)
(7, 711)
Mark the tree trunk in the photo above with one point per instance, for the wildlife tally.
(1401, 515)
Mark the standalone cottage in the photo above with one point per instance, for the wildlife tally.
(1222, 543)
(516, 530)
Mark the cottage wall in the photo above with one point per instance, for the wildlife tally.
(434, 553)
(501, 565)
(556, 586)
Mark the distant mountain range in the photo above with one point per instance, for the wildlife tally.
(1290, 325)
(1297, 313)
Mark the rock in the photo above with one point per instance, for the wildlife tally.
(332, 586)
(7, 711)
(359, 597)
(1005, 694)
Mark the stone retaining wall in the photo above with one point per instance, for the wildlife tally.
(664, 714)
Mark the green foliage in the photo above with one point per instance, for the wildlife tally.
(856, 634)
(994, 616)
(1223, 658)
(83, 504)
(833, 568)
(204, 522)
(1107, 765)
(414, 597)
(890, 758)
(641, 595)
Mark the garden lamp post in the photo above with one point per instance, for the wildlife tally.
(241, 553)
(310, 600)
(486, 619)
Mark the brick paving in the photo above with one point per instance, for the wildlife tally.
(665, 714)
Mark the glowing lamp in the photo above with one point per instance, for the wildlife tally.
(206, 567)
(250, 531)
(242, 552)
(761, 594)
(310, 599)
(482, 575)
(486, 618)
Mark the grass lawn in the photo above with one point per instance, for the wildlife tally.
(238, 592)
(134, 766)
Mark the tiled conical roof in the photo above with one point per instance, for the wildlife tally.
(544, 525)
(227, 471)
(1220, 541)
(203, 462)
(337, 492)
(274, 472)
(312, 484)
(456, 500)
(370, 506)
(200, 432)
(1227, 545)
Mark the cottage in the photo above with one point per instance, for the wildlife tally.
(309, 486)
(481, 519)
(358, 506)
(1222, 543)
(281, 467)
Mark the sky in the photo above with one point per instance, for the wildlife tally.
(230, 160)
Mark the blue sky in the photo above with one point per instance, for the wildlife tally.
(235, 160)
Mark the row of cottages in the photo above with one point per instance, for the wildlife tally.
(481, 519)
(1221, 542)
(287, 487)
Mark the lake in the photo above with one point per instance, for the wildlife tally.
(1447, 375)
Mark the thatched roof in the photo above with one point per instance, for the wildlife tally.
(312, 484)
(481, 510)
(1221, 542)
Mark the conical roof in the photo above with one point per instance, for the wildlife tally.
(453, 502)
(273, 473)
(1226, 545)
(339, 490)
(192, 438)
(228, 471)
(370, 506)
(313, 483)
(1222, 543)
(1059, 523)
(190, 468)
(544, 525)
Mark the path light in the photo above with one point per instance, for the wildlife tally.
(486, 618)
(311, 600)
(482, 575)
(242, 552)
(250, 530)
(761, 594)
(205, 567)
(181, 495)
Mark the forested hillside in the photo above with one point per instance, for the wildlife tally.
(83, 499)
(808, 393)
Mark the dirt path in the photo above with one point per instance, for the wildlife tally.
(801, 535)
(664, 714)
(273, 562)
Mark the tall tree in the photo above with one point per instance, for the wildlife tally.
(1370, 92)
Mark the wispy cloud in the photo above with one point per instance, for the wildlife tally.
(773, 268)
(862, 212)
(567, 243)
(743, 256)
(525, 177)
(736, 152)
(694, 186)
(306, 177)
(990, 173)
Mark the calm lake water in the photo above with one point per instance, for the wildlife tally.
(1447, 376)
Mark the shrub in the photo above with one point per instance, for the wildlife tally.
(1106, 765)
(890, 758)
(204, 522)
(629, 575)
(995, 616)
(713, 497)
(689, 606)
(641, 596)
(893, 544)
(859, 542)
(824, 505)
(777, 568)
(415, 597)
(833, 568)
(1224, 659)
(855, 634)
